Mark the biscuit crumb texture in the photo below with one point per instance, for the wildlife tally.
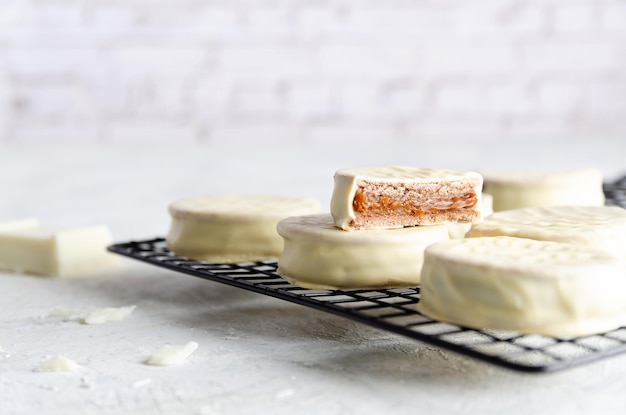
(383, 205)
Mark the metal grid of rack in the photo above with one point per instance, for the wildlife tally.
(394, 310)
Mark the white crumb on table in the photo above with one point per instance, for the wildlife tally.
(66, 314)
(169, 355)
(94, 315)
(142, 382)
(58, 364)
(285, 393)
(86, 383)
(105, 315)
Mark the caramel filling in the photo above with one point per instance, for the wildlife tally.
(375, 204)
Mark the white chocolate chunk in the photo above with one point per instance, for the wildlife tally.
(319, 255)
(232, 228)
(512, 190)
(600, 227)
(28, 247)
(169, 355)
(429, 191)
(59, 364)
(523, 285)
(107, 314)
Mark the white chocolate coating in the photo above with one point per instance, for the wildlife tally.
(512, 190)
(319, 255)
(232, 228)
(523, 285)
(599, 227)
(29, 247)
(345, 187)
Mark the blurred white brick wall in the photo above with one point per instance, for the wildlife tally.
(313, 70)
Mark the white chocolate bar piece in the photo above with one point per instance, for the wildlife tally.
(28, 247)
(319, 255)
(523, 285)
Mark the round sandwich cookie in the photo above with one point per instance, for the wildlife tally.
(232, 228)
(600, 227)
(513, 190)
(317, 254)
(523, 285)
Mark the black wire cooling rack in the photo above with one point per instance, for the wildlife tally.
(394, 310)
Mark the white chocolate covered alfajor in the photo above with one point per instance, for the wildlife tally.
(319, 255)
(523, 285)
(232, 228)
(600, 227)
(512, 190)
(399, 196)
